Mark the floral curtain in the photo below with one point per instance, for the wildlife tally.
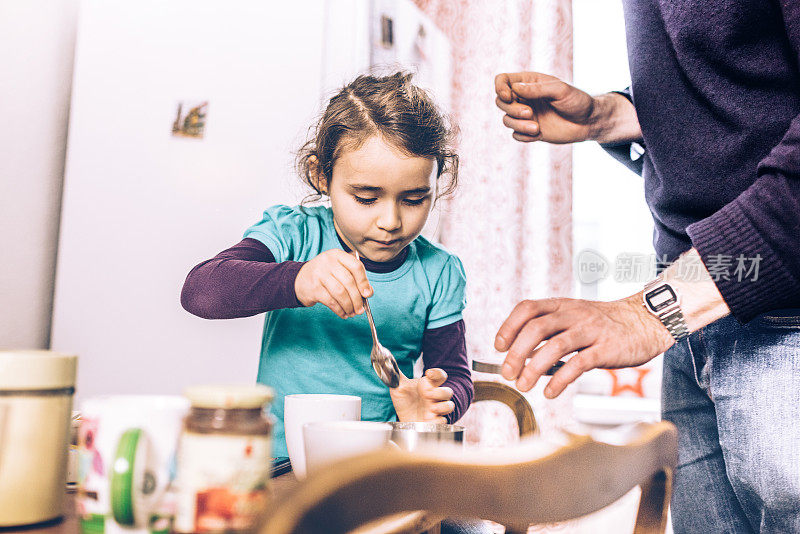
(510, 221)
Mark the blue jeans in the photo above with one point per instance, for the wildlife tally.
(733, 391)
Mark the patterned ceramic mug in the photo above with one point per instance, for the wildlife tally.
(126, 461)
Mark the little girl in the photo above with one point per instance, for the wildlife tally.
(379, 153)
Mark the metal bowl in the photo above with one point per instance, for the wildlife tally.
(410, 435)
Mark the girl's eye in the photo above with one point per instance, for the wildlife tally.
(414, 201)
(362, 200)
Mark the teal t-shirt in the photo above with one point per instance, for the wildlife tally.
(313, 350)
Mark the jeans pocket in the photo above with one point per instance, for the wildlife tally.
(786, 319)
(700, 365)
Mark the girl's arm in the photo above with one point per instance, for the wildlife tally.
(446, 348)
(241, 281)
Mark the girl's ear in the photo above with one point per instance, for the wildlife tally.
(317, 175)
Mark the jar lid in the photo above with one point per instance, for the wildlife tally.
(36, 369)
(235, 396)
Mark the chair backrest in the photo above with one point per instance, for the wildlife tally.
(529, 483)
(487, 390)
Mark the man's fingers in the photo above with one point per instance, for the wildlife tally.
(527, 127)
(553, 350)
(504, 82)
(525, 138)
(552, 89)
(502, 86)
(515, 109)
(585, 360)
(527, 340)
(519, 316)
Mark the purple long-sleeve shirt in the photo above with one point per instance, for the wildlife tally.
(716, 86)
(244, 280)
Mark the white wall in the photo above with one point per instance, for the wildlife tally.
(141, 207)
(37, 40)
(347, 43)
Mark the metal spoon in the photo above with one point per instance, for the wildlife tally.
(497, 368)
(382, 360)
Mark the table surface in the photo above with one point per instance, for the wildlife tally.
(407, 523)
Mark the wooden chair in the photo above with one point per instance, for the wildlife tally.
(521, 485)
(486, 391)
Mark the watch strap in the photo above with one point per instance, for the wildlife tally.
(676, 324)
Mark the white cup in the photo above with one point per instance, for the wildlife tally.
(329, 441)
(126, 450)
(305, 408)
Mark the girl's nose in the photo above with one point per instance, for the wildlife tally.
(389, 219)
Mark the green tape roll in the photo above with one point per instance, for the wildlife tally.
(122, 471)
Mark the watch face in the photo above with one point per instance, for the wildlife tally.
(660, 298)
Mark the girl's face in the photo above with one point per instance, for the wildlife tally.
(380, 198)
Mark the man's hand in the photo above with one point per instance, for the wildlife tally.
(336, 279)
(540, 107)
(608, 335)
(424, 398)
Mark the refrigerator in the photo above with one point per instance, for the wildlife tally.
(185, 117)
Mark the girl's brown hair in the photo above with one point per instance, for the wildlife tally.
(389, 106)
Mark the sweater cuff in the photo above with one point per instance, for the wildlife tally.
(463, 391)
(629, 154)
(747, 272)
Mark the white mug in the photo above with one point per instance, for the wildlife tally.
(126, 451)
(308, 408)
(329, 441)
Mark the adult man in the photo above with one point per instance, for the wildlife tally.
(715, 101)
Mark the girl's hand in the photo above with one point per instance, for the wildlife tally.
(424, 398)
(335, 279)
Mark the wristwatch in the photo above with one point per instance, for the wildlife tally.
(663, 301)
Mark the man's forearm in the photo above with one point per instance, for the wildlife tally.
(701, 301)
(614, 120)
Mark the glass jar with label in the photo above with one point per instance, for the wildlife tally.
(224, 459)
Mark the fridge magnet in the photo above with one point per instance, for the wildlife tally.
(190, 119)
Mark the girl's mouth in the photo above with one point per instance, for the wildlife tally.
(387, 243)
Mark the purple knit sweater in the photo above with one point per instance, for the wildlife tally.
(716, 86)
